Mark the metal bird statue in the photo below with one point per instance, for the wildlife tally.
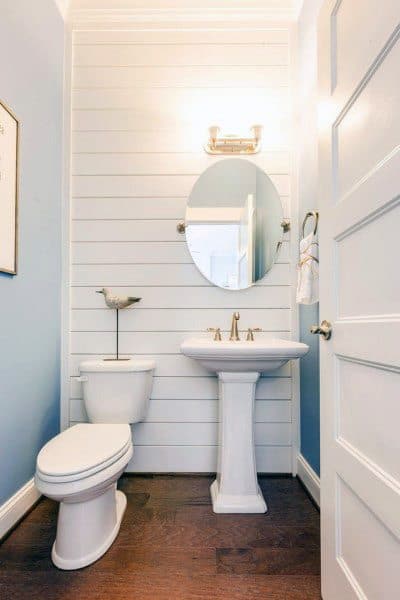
(117, 303)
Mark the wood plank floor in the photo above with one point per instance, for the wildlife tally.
(173, 547)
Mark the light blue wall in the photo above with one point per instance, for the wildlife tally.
(308, 200)
(309, 389)
(31, 67)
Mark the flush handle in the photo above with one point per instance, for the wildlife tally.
(324, 330)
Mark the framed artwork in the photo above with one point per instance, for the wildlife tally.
(8, 190)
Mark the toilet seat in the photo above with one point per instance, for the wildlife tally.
(91, 508)
(82, 451)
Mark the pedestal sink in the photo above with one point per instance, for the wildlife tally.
(239, 365)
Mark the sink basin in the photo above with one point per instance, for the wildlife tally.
(259, 356)
(239, 365)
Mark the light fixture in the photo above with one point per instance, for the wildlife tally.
(233, 144)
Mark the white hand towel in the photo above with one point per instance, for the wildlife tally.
(308, 271)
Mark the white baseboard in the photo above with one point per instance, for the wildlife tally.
(15, 508)
(308, 477)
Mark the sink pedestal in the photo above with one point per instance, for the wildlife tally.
(236, 488)
(239, 364)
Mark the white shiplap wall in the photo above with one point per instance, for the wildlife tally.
(142, 101)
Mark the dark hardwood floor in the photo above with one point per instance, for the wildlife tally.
(173, 547)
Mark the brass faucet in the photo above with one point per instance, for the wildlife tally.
(234, 337)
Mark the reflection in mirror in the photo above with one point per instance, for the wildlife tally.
(233, 223)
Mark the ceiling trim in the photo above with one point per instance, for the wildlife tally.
(248, 15)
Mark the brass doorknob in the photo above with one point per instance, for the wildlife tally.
(325, 330)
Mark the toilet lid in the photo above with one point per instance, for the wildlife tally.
(116, 366)
(83, 448)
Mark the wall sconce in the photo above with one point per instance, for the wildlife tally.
(233, 144)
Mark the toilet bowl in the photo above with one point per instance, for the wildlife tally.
(80, 467)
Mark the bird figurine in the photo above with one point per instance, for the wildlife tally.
(117, 302)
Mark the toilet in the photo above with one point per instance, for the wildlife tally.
(80, 467)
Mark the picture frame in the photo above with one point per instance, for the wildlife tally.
(9, 151)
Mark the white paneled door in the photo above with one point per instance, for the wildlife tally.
(359, 113)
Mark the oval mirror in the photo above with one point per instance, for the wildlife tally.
(233, 223)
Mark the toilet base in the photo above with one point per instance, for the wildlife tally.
(86, 530)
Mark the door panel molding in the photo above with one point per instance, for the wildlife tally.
(376, 488)
(359, 339)
(359, 208)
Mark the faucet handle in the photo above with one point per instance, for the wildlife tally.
(217, 330)
(250, 333)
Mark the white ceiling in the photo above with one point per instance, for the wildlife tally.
(183, 4)
(186, 9)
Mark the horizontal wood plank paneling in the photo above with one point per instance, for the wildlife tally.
(193, 411)
(191, 433)
(127, 230)
(129, 208)
(162, 103)
(138, 208)
(158, 459)
(149, 185)
(148, 141)
(188, 434)
(141, 253)
(132, 185)
(204, 388)
(149, 342)
(182, 55)
(168, 365)
(187, 297)
(181, 319)
(130, 252)
(159, 274)
(142, 102)
(174, 36)
(190, 76)
(165, 163)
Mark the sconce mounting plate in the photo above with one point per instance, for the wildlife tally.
(233, 144)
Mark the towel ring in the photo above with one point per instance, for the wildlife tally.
(314, 214)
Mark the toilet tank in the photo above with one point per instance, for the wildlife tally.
(116, 391)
